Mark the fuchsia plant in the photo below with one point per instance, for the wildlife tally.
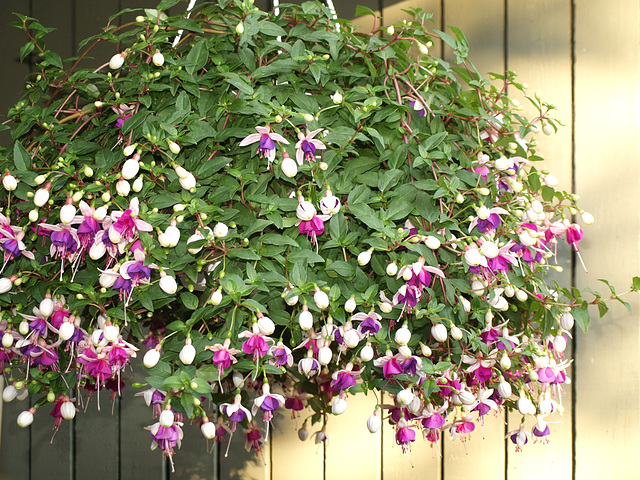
(137, 213)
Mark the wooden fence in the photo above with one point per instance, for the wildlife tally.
(584, 56)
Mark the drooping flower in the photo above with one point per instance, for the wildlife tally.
(307, 146)
(126, 224)
(267, 139)
(166, 438)
(267, 402)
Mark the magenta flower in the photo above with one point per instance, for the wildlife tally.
(166, 438)
(404, 436)
(235, 412)
(257, 344)
(419, 274)
(267, 139)
(389, 364)
(307, 146)
(281, 355)
(127, 224)
(370, 323)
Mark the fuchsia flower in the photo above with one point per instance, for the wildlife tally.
(257, 344)
(310, 224)
(404, 436)
(418, 274)
(235, 412)
(281, 355)
(370, 323)
(433, 418)
(488, 219)
(89, 226)
(127, 225)
(267, 139)
(13, 246)
(223, 357)
(307, 145)
(267, 402)
(389, 364)
(418, 107)
(253, 438)
(166, 438)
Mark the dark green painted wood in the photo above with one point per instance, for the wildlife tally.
(14, 446)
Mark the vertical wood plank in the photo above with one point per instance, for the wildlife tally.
(51, 458)
(193, 461)
(346, 431)
(289, 455)
(243, 465)
(14, 449)
(607, 177)
(539, 51)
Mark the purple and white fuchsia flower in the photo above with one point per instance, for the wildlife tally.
(307, 146)
(267, 139)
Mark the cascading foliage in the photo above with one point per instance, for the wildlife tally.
(282, 211)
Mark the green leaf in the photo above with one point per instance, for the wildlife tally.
(21, 158)
(197, 57)
(189, 300)
(272, 29)
(581, 316)
(239, 82)
(342, 268)
(243, 253)
(167, 4)
(361, 10)
(186, 24)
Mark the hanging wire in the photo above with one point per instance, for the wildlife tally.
(192, 4)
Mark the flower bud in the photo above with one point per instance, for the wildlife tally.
(547, 129)
(194, 238)
(587, 218)
(122, 187)
(308, 117)
(374, 423)
(33, 215)
(456, 333)
(175, 149)
(67, 213)
(240, 28)
(474, 258)
(208, 429)
(138, 183)
(324, 355)
(390, 30)
(404, 397)
(266, 325)
(166, 417)
(117, 61)
(364, 257)
(366, 354)
(305, 319)
(188, 353)
(338, 406)
(521, 295)
(525, 406)
(425, 350)
(424, 50)
(350, 305)
(306, 211)
(41, 197)
(439, 332)
(321, 299)
(550, 181)
(351, 338)
(504, 389)
(9, 182)
(403, 335)
(303, 433)
(97, 251)
(100, 213)
(560, 343)
(131, 168)
(128, 150)
(216, 297)
(26, 418)
(337, 98)
(151, 358)
(111, 333)
(6, 284)
(432, 242)
(189, 182)
(97, 338)
(23, 328)
(158, 59)
(489, 249)
(289, 166)
(46, 306)
(220, 230)
(466, 397)
(168, 284)
(9, 393)
(67, 410)
(505, 362)
(7, 339)
(566, 321)
(66, 331)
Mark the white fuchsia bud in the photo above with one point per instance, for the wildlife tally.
(168, 283)
(308, 117)
(305, 319)
(338, 406)
(403, 335)
(321, 299)
(374, 423)
(566, 321)
(525, 406)
(439, 332)
(509, 291)
(505, 362)
(392, 269)
(489, 249)
(350, 305)
(7, 283)
(503, 163)
(41, 197)
(66, 331)
(474, 258)
(9, 393)
(351, 338)
(521, 295)
(560, 343)
(405, 351)
(587, 218)
(364, 258)
(404, 397)
(415, 406)
(188, 353)
(166, 417)
(131, 167)
(46, 306)
(551, 181)
(151, 358)
(7, 339)
(466, 397)
(23, 328)
(111, 332)
(189, 182)
(216, 297)
(195, 238)
(9, 182)
(220, 230)
(527, 238)
(305, 211)
(324, 355)
(456, 333)
(128, 150)
(432, 242)
(425, 350)
(97, 250)
(122, 187)
(175, 149)
(26, 418)
(208, 429)
(117, 61)
(266, 325)
(366, 354)
(504, 389)
(107, 279)
(97, 338)
(288, 166)
(424, 50)
(477, 287)
(500, 303)
(466, 304)
(67, 410)
(33, 215)
(158, 59)
(303, 433)
(240, 28)
(337, 98)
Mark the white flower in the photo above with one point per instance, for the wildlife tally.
(194, 238)
(350, 305)
(117, 61)
(330, 204)
(439, 332)
(351, 338)
(151, 358)
(404, 397)
(41, 197)
(220, 230)
(175, 149)
(188, 353)
(111, 333)
(168, 284)
(489, 249)
(321, 299)
(68, 410)
(67, 213)
(364, 257)
(337, 98)
(306, 211)
(208, 429)
(216, 297)
(122, 187)
(305, 320)
(9, 182)
(266, 325)
(166, 418)
(9, 393)
(456, 333)
(474, 258)
(324, 355)
(366, 354)
(289, 167)
(130, 168)
(566, 321)
(97, 250)
(392, 269)
(138, 183)
(374, 423)
(403, 335)
(338, 406)
(432, 242)
(6, 284)
(189, 182)
(25, 418)
(66, 331)
(7, 339)
(158, 59)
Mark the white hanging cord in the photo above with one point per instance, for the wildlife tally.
(192, 4)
